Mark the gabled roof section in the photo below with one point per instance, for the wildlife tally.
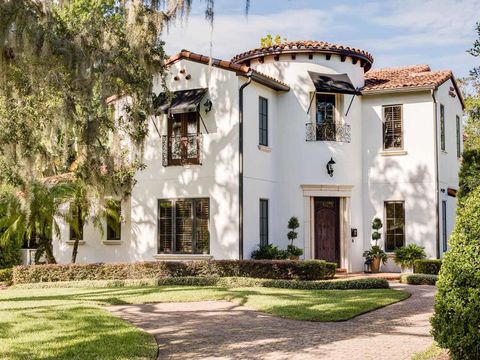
(242, 70)
(306, 46)
(414, 77)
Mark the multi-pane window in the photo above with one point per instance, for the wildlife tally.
(263, 222)
(183, 226)
(442, 127)
(395, 225)
(183, 139)
(77, 222)
(444, 225)
(262, 121)
(392, 127)
(459, 140)
(325, 117)
(114, 223)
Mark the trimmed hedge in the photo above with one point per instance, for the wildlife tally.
(419, 279)
(266, 269)
(227, 282)
(6, 275)
(431, 267)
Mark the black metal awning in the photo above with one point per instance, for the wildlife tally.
(182, 101)
(333, 83)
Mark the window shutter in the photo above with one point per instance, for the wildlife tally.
(393, 127)
(202, 237)
(165, 226)
(184, 226)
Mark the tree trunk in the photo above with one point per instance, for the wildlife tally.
(75, 250)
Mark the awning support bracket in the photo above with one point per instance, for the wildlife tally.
(311, 101)
(350, 105)
(203, 122)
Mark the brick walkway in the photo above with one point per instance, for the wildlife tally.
(223, 330)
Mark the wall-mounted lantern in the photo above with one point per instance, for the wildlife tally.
(330, 167)
(208, 105)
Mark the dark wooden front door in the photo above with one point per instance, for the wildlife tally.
(327, 229)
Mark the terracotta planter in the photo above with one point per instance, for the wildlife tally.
(375, 265)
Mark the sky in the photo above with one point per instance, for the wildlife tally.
(395, 32)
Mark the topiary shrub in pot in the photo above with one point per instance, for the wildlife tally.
(375, 255)
(293, 251)
(406, 256)
(456, 320)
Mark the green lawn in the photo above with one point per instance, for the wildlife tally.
(432, 353)
(70, 324)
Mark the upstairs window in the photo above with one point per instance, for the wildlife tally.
(77, 222)
(392, 127)
(183, 139)
(442, 127)
(263, 222)
(262, 121)
(459, 140)
(325, 117)
(114, 224)
(183, 226)
(395, 225)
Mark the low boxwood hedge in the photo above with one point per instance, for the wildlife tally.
(419, 279)
(265, 269)
(227, 282)
(431, 267)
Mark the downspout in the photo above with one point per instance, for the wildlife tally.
(240, 165)
(437, 196)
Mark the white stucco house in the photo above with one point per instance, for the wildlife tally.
(244, 145)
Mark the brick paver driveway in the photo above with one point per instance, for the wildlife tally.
(223, 330)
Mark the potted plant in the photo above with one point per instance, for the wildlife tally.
(405, 256)
(293, 251)
(376, 254)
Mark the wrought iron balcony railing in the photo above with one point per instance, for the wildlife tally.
(328, 131)
(182, 150)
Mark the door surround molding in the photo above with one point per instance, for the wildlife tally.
(344, 192)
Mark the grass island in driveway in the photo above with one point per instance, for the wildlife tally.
(69, 323)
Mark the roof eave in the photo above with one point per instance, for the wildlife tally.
(271, 83)
(397, 90)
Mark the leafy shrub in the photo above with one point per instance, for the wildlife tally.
(431, 267)
(269, 252)
(228, 282)
(375, 252)
(294, 250)
(456, 320)
(6, 275)
(10, 255)
(405, 256)
(419, 279)
(270, 269)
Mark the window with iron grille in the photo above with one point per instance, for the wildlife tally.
(442, 127)
(459, 140)
(262, 121)
(114, 224)
(183, 139)
(394, 225)
(392, 127)
(76, 228)
(263, 222)
(183, 226)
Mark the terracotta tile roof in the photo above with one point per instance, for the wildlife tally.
(405, 77)
(228, 65)
(307, 46)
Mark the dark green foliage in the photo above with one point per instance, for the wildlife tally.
(269, 252)
(294, 250)
(269, 269)
(456, 321)
(469, 176)
(406, 255)
(419, 279)
(6, 275)
(375, 251)
(431, 267)
(10, 255)
(228, 282)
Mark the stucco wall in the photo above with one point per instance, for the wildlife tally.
(409, 177)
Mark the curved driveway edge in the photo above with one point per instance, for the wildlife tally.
(224, 330)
